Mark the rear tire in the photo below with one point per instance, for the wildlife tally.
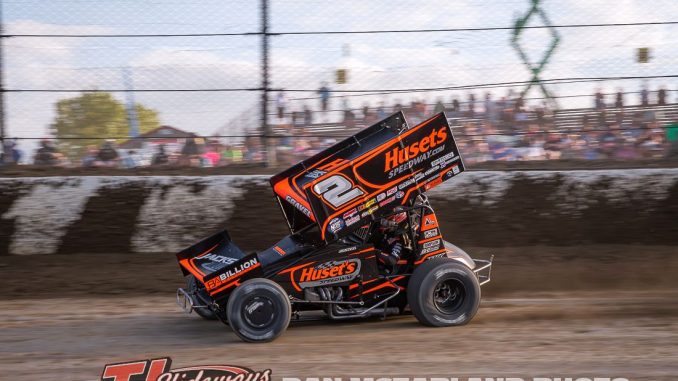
(259, 310)
(204, 313)
(443, 292)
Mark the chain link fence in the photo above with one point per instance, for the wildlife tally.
(128, 83)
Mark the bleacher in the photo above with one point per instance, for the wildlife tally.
(562, 120)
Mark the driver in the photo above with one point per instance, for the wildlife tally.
(391, 243)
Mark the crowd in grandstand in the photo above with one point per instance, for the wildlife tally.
(503, 129)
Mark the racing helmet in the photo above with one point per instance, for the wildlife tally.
(395, 219)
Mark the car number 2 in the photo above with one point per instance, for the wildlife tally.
(337, 190)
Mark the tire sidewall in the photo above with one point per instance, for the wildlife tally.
(258, 287)
(422, 286)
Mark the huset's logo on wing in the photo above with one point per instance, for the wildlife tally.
(330, 272)
(159, 370)
(398, 155)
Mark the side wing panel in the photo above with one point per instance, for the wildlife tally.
(391, 174)
(365, 176)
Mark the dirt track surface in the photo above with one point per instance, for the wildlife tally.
(600, 310)
(631, 335)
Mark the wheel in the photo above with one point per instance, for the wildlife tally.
(205, 313)
(259, 310)
(443, 292)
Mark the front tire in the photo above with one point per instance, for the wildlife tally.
(443, 292)
(259, 310)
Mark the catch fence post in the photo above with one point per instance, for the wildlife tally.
(265, 127)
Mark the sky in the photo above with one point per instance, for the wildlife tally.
(302, 62)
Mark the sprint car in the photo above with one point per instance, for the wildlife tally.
(364, 241)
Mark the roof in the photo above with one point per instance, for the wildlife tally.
(162, 132)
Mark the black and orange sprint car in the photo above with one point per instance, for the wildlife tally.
(364, 241)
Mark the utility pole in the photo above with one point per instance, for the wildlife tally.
(132, 118)
(265, 128)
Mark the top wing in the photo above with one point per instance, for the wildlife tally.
(366, 175)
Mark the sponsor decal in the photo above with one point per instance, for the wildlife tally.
(417, 160)
(347, 249)
(433, 183)
(213, 262)
(431, 233)
(429, 221)
(329, 273)
(298, 205)
(429, 250)
(230, 273)
(350, 213)
(406, 184)
(279, 250)
(352, 220)
(391, 191)
(418, 176)
(431, 170)
(455, 169)
(443, 160)
(398, 155)
(400, 194)
(435, 256)
(381, 196)
(160, 370)
(435, 243)
(369, 211)
(219, 258)
(370, 203)
(314, 174)
(336, 224)
(387, 201)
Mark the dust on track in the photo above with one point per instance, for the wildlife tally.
(550, 312)
(628, 334)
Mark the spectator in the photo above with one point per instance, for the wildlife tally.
(10, 152)
(308, 116)
(324, 93)
(160, 157)
(397, 106)
(644, 96)
(455, 106)
(471, 105)
(599, 102)
(130, 160)
(17, 154)
(108, 156)
(281, 103)
(439, 107)
(349, 117)
(90, 158)
(490, 108)
(47, 154)
(381, 111)
(212, 158)
(553, 146)
(619, 99)
(661, 96)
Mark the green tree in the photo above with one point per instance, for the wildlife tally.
(96, 115)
